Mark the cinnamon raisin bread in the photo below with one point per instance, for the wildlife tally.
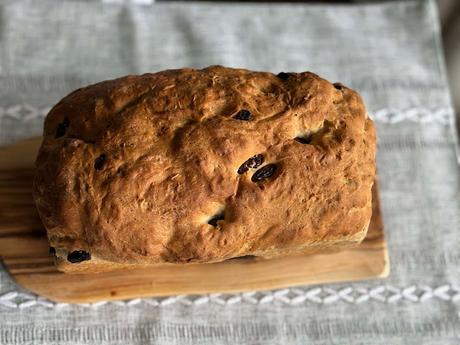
(197, 166)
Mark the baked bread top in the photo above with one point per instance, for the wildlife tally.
(204, 165)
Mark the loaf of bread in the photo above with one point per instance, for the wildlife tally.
(199, 166)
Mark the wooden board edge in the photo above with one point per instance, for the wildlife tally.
(20, 154)
(387, 266)
(381, 271)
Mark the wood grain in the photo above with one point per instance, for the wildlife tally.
(24, 250)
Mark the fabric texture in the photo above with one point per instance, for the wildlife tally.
(389, 52)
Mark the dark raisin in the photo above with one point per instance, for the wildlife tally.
(264, 173)
(338, 86)
(304, 140)
(78, 256)
(120, 172)
(252, 163)
(283, 76)
(100, 162)
(242, 169)
(213, 221)
(255, 162)
(62, 128)
(244, 115)
(52, 250)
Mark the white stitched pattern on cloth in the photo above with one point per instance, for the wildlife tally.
(421, 115)
(294, 296)
(442, 115)
(23, 112)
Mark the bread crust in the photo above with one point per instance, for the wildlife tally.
(151, 169)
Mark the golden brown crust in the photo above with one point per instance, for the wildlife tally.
(131, 170)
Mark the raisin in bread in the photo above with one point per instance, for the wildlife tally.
(197, 166)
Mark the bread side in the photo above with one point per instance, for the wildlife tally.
(192, 166)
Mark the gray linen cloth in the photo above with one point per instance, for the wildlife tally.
(389, 52)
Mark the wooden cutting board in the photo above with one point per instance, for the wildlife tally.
(24, 251)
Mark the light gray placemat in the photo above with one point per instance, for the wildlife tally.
(389, 52)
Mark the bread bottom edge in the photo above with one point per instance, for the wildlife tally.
(97, 265)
